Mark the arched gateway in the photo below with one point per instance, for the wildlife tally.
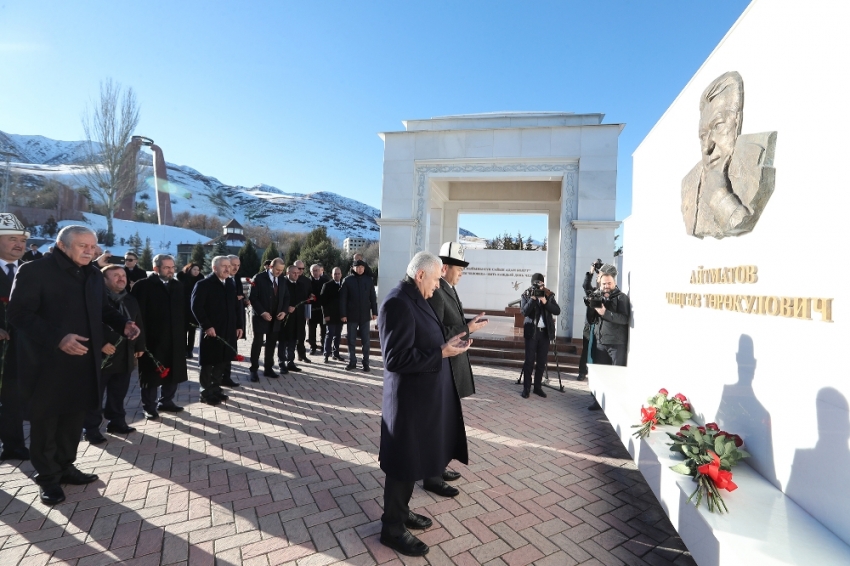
(558, 163)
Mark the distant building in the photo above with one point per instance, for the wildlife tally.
(353, 245)
(232, 234)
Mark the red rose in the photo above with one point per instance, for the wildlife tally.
(663, 391)
(680, 397)
(163, 372)
(701, 429)
(239, 358)
(4, 300)
(686, 406)
(712, 426)
(686, 427)
(738, 440)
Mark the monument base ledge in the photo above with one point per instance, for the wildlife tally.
(763, 526)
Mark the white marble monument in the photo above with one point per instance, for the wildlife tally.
(558, 163)
(751, 326)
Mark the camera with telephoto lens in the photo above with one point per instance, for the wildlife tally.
(537, 289)
(595, 299)
(598, 264)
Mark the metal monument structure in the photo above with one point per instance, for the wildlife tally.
(128, 181)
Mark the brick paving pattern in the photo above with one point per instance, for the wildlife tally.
(287, 473)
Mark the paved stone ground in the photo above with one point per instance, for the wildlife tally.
(287, 473)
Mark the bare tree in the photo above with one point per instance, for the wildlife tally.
(108, 124)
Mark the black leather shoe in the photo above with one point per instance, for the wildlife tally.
(119, 428)
(172, 408)
(595, 407)
(366, 369)
(406, 544)
(229, 383)
(222, 396)
(338, 358)
(271, 373)
(540, 392)
(254, 376)
(450, 475)
(524, 394)
(314, 352)
(442, 489)
(212, 401)
(51, 494)
(351, 367)
(73, 476)
(151, 415)
(305, 360)
(327, 359)
(292, 367)
(94, 437)
(581, 378)
(417, 521)
(15, 454)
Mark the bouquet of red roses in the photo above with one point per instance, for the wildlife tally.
(662, 410)
(308, 301)
(709, 455)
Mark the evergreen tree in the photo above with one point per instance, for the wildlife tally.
(319, 248)
(135, 243)
(199, 256)
(250, 260)
(529, 244)
(50, 227)
(293, 253)
(146, 260)
(543, 247)
(220, 248)
(270, 253)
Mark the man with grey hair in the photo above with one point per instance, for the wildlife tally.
(317, 281)
(215, 307)
(57, 308)
(422, 422)
(235, 266)
(160, 298)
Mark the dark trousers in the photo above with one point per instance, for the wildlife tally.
(302, 336)
(332, 339)
(190, 340)
(269, 340)
(312, 324)
(582, 362)
(536, 349)
(11, 421)
(286, 350)
(150, 400)
(609, 354)
(53, 445)
(396, 499)
(115, 385)
(211, 377)
(362, 329)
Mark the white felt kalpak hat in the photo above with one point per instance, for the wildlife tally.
(452, 254)
(11, 226)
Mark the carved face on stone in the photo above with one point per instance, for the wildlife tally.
(720, 121)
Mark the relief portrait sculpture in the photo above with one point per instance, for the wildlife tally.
(725, 193)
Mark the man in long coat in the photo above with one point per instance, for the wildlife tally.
(160, 299)
(358, 306)
(215, 307)
(422, 423)
(13, 241)
(449, 311)
(57, 308)
(292, 325)
(329, 301)
(116, 370)
(269, 304)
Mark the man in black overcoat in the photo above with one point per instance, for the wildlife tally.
(215, 307)
(119, 360)
(32, 255)
(160, 298)
(292, 325)
(269, 304)
(235, 265)
(539, 306)
(422, 423)
(13, 241)
(305, 289)
(358, 306)
(329, 302)
(57, 308)
(449, 311)
(317, 281)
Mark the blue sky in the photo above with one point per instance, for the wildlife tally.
(292, 94)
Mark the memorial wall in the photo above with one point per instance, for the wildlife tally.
(495, 278)
(735, 247)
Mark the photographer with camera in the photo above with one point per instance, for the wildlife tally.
(611, 324)
(597, 268)
(538, 305)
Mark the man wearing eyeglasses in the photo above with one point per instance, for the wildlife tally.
(134, 272)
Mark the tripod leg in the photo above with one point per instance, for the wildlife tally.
(558, 364)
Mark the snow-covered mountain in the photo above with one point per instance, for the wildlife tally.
(34, 159)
